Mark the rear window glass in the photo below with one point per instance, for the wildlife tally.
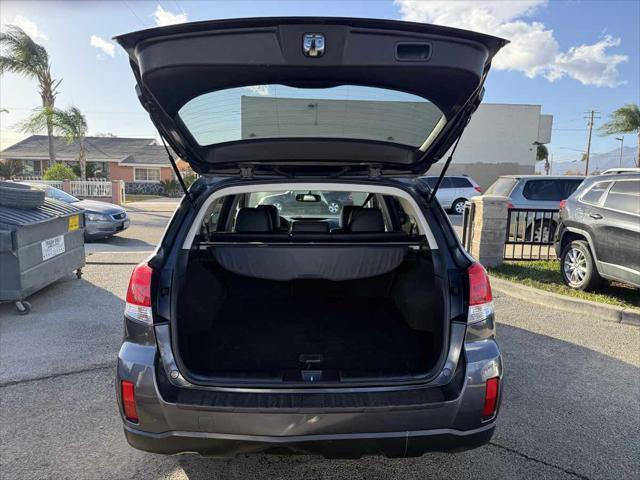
(550, 190)
(624, 196)
(502, 186)
(431, 182)
(309, 204)
(279, 111)
(460, 182)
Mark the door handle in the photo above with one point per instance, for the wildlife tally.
(595, 216)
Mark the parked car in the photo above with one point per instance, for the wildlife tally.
(621, 170)
(454, 191)
(598, 236)
(535, 192)
(102, 219)
(377, 338)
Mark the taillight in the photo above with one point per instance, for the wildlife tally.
(129, 401)
(138, 304)
(490, 398)
(510, 205)
(563, 203)
(478, 189)
(480, 298)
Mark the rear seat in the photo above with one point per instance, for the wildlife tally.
(257, 225)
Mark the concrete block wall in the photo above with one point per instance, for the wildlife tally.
(488, 229)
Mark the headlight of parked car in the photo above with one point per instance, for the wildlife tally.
(95, 217)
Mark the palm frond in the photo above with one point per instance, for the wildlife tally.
(625, 119)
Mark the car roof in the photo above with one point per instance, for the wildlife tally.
(544, 177)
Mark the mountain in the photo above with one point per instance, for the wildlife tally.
(598, 162)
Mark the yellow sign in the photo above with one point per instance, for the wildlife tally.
(74, 222)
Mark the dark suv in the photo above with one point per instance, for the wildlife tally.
(599, 232)
(244, 332)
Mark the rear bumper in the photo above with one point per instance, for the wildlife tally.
(353, 445)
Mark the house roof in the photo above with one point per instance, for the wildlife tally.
(125, 151)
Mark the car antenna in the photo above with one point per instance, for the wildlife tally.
(444, 169)
(176, 171)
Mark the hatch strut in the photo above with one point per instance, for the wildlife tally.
(176, 171)
(444, 169)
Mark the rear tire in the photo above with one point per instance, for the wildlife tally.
(457, 207)
(578, 268)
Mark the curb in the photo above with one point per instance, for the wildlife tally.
(609, 313)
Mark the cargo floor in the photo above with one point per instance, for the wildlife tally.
(349, 336)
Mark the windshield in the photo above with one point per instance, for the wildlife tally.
(278, 111)
(308, 204)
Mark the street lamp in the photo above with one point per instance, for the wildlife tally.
(621, 140)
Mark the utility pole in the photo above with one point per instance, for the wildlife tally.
(621, 140)
(590, 118)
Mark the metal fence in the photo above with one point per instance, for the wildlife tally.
(467, 222)
(530, 234)
(90, 188)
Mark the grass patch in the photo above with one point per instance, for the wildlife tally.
(138, 198)
(545, 275)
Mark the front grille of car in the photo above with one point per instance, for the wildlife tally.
(119, 216)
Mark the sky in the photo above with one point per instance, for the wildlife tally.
(569, 56)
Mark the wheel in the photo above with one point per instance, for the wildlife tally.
(23, 307)
(278, 205)
(542, 231)
(334, 208)
(578, 268)
(458, 206)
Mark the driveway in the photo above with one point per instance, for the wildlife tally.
(570, 407)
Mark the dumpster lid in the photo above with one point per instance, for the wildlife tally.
(48, 210)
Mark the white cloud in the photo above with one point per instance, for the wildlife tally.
(164, 17)
(29, 27)
(261, 90)
(533, 49)
(102, 44)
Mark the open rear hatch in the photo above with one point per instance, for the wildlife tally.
(295, 95)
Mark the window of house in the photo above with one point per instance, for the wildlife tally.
(146, 174)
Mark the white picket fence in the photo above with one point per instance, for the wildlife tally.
(91, 188)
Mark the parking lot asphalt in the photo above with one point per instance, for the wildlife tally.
(570, 406)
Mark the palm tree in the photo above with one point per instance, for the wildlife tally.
(19, 54)
(626, 119)
(70, 123)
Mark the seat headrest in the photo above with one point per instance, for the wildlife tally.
(366, 220)
(345, 215)
(253, 220)
(273, 213)
(309, 227)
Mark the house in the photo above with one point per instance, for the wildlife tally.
(141, 162)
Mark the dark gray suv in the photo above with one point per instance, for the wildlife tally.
(253, 328)
(598, 236)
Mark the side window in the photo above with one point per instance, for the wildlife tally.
(430, 181)
(595, 193)
(460, 182)
(446, 183)
(624, 196)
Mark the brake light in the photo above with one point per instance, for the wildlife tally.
(480, 297)
(129, 401)
(510, 205)
(478, 189)
(490, 398)
(138, 304)
(563, 203)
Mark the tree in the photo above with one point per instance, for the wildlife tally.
(19, 54)
(626, 119)
(69, 123)
(543, 154)
(10, 168)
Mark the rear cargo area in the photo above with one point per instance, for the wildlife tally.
(234, 326)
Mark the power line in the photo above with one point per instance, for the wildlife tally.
(134, 13)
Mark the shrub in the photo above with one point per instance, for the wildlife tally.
(59, 172)
(170, 188)
(10, 168)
